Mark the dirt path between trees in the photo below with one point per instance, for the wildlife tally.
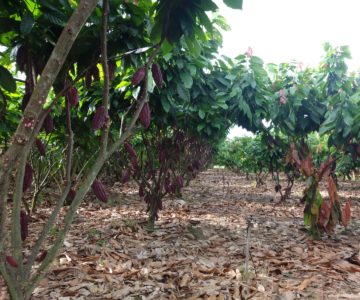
(225, 239)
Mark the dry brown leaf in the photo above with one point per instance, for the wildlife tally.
(306, 282)
(345, 266)
(185, 280)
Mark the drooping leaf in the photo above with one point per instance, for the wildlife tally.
(237, 4)
(27, 23)
(6, 80)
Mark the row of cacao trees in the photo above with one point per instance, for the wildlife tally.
(138, 87)
(134, 85)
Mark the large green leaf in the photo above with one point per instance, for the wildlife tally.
(183, 92)
(6, 80)
(237, 4)
(26, 24)
(186, 79)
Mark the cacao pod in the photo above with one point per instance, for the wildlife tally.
(95, 73)
(24, 223)
(144, 116)
(11, 261)
(28, 177)
(88, 79)
(25, 101)
(157, 75)
(72, 96)
(130, 149)
(179, 181)
(160, 204)
(134, 162)
(99, 118)
(72, 194)
(99, 190)
(125, 176)
(141, 191)
(112, 69)
(138, 76)
(277, 188)
(21, 58)
(41, 147)
(48, 124)
(147, 199)
(162, 156)
(358, 149)
(41, 256)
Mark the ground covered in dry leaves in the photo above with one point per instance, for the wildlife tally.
(225, 239)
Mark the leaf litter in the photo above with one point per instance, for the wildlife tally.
(225, 239)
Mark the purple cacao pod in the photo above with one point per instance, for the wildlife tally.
(41, 147)
(95, 73)
(130, 149)
(134, 162)
(28, 177)
(157, 75)
(162, 156)
(48, 124)
(71, 195)
(88, 79)
(99, 119)
(21, 58)
(141, 191)
(138, 76)
(41, 256)
(72, 96)
(147, 199)
(25, 101)
(144, 116)
(179, 181)
(99, 190)
(11, 261)
(112, 69)
(24, 223)
(125, 176)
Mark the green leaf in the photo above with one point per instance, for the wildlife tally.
(201, 114)
(237, 4)
(200, 127)
(183, 92)
(186, 79)
(165, 104)
(27, 23)
(6, 80)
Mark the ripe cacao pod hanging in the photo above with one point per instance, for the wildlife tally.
(95, 73)
(41, 147)
(11, 261)
(130, 149)
(88, 79)
(72, 96)
(144, 116)
(41, 256)
(25, 101)
(157, 75)
(138, 76)
(125, 176)
(99, 190)
(24, 223)
(48, 124)
(134, 162)
(28, 177)
(112, 68)
(71, 195)
(179, 181)
(99, 118)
